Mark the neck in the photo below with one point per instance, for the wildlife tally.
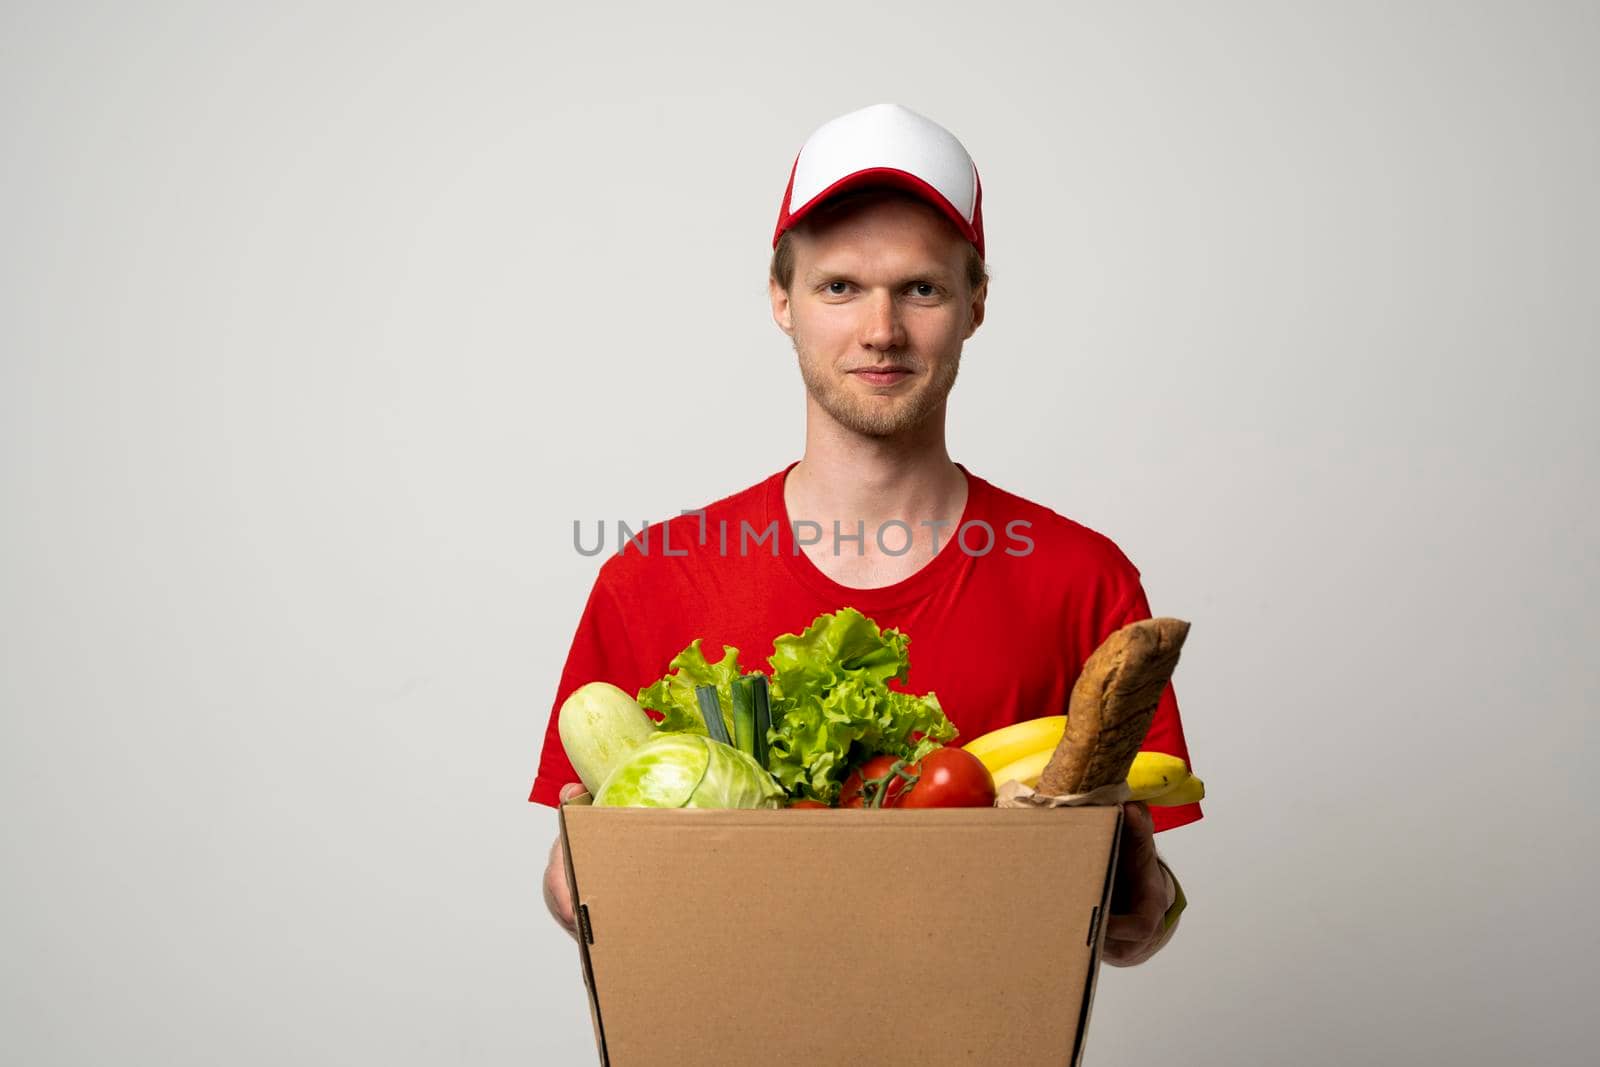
(848, 476)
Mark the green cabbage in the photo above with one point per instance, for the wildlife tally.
(685, 770)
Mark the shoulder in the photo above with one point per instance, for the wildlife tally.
(1065, 543)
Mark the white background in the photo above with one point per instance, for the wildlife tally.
(321, 324)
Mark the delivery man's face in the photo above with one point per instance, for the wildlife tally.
(878, 309)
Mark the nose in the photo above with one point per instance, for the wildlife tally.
(881, 328)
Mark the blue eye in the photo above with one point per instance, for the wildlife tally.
(834, 291)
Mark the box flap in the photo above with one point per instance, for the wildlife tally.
(967, 935)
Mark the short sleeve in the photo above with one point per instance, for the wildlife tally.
(1166, 728)
(599, 653)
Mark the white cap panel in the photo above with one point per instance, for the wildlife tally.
(885, 135)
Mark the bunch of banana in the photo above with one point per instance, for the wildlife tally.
(1020, 751)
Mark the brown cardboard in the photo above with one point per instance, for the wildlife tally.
(931, 937)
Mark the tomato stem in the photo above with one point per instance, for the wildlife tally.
(879, 787)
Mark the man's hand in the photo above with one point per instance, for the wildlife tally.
(557, 894)
(1140, 896)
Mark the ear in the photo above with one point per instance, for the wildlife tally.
(976, 309)
(781, 313)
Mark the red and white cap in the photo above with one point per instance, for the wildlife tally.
(886, 144)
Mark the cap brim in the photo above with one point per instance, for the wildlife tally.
(881, 177)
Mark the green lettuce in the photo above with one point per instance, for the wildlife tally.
(832, 708)
(673, 696)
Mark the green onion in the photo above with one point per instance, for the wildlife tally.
(758, 690)
(711, 712)
(744, 716)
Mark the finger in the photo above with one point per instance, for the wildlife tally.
(1134, 883)
(1135, 929)
(1125, 953)
(1136, 813)
(559, 901)
(571, 790)
(1138, 851)
(1140, 895)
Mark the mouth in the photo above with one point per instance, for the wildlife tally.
(885, 375)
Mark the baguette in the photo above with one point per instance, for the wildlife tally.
(1113, 701)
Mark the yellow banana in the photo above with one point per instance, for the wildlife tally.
(1019, 752)
(1154, 777)
(1154, 773)
(1025, 770)
(1187, 791)
(1002, 747)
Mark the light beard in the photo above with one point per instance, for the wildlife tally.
(868, 416)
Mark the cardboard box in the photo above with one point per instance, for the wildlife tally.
(828, 936)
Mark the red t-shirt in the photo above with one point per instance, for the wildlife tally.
(999, 635)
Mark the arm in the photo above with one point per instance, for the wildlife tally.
(600, 651)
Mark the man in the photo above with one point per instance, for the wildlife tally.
(878, 279)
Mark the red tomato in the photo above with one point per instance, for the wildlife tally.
(876, 767)
(807, 804)
(946, 778)
(949, 778)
